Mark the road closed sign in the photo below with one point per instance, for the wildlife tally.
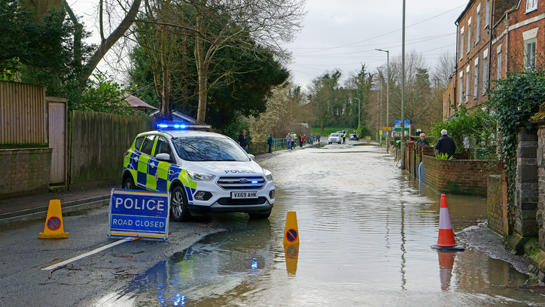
(139, 214)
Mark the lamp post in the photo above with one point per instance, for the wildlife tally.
(387, 96)
(403, 89)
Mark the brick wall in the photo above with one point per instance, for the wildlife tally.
(526, 185)
(541, 183)
(24, 171)
(496, 205)
(458, 176)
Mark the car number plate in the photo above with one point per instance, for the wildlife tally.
(243, 195)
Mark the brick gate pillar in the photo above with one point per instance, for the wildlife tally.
(526, 184)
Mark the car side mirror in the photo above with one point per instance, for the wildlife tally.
(252, 157)
(163, 157)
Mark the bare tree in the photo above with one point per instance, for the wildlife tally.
(223, 24)
(106, 41)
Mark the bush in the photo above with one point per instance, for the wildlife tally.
(234, 129)
(363, 131)
(479, 127)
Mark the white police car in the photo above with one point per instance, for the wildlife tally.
(203, 171)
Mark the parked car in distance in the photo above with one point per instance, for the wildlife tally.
(335, 138)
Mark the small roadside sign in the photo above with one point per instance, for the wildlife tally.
(139, 214)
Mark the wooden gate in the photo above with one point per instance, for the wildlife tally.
(57, 139)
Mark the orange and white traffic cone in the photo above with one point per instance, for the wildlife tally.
(445, 241)
(446, 262)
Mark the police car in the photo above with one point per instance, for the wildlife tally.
(203, 171)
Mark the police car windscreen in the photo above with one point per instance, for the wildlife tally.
(208, 149)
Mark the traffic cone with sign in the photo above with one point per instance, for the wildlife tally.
(54, 227)
(445, 241)
(291, 243)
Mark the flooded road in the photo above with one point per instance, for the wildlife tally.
(365, 235)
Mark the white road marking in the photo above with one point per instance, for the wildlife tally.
(98, 250)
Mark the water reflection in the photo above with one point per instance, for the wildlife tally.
(291, 254)
(446, 262)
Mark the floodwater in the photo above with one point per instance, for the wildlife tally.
(365, 236)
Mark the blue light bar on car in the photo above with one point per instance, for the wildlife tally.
(180, 126)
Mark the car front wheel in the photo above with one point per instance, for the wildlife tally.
(178, 205)
(128, 183)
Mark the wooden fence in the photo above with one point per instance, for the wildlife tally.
(97, 143)
(23, 114)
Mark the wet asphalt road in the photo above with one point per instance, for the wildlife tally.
(365, 240)
(365, 236)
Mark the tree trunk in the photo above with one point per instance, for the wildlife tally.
(202, 75)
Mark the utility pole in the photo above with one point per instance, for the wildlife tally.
(403, 90)
(387, 97)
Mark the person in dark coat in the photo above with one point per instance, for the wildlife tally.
(270, 141)
(243, 140)
(422, 140)
(445, 144)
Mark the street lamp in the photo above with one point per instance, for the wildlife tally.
(403, 89)
(387, 95)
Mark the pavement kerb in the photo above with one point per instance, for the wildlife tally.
(41, 212)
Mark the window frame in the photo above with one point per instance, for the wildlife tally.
(485, 72)
(461, 99)
(141, 137)
(469, 35)
(152, 144)
(476, 79)
(161, 138)
(499, 62)
(468, 91)
(462, 39)
(478, 25)
(530, 9)
(531, 41)
(487, 16)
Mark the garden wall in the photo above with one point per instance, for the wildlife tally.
(24, 171)
(458, 176)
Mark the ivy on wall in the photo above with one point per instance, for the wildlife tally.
(515, 99)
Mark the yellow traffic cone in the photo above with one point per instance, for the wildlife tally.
(54, 227)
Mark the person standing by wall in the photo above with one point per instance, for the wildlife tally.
(289, 139)
(445, 145)
(422, 141)
(270, 141)
(243, 140)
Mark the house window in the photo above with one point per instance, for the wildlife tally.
(462, 43)
(531, 5)
(467, 84)
(469, 35)
(530, 54)
(485, 71)
(487, 14)
(478, 27)
(461, 86)
(476, 79)
(498, 68)
(530, 44)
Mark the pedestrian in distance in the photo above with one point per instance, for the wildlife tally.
(300, 141)
(445, 145)
(344, 137)
(270, 141)
(422, 141)
(243, 140)
(289, 140)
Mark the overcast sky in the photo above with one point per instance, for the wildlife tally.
(343, 34)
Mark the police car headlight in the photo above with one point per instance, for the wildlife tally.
(200, 176)
(268, 175)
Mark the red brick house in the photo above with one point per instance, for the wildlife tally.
(493, 37)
